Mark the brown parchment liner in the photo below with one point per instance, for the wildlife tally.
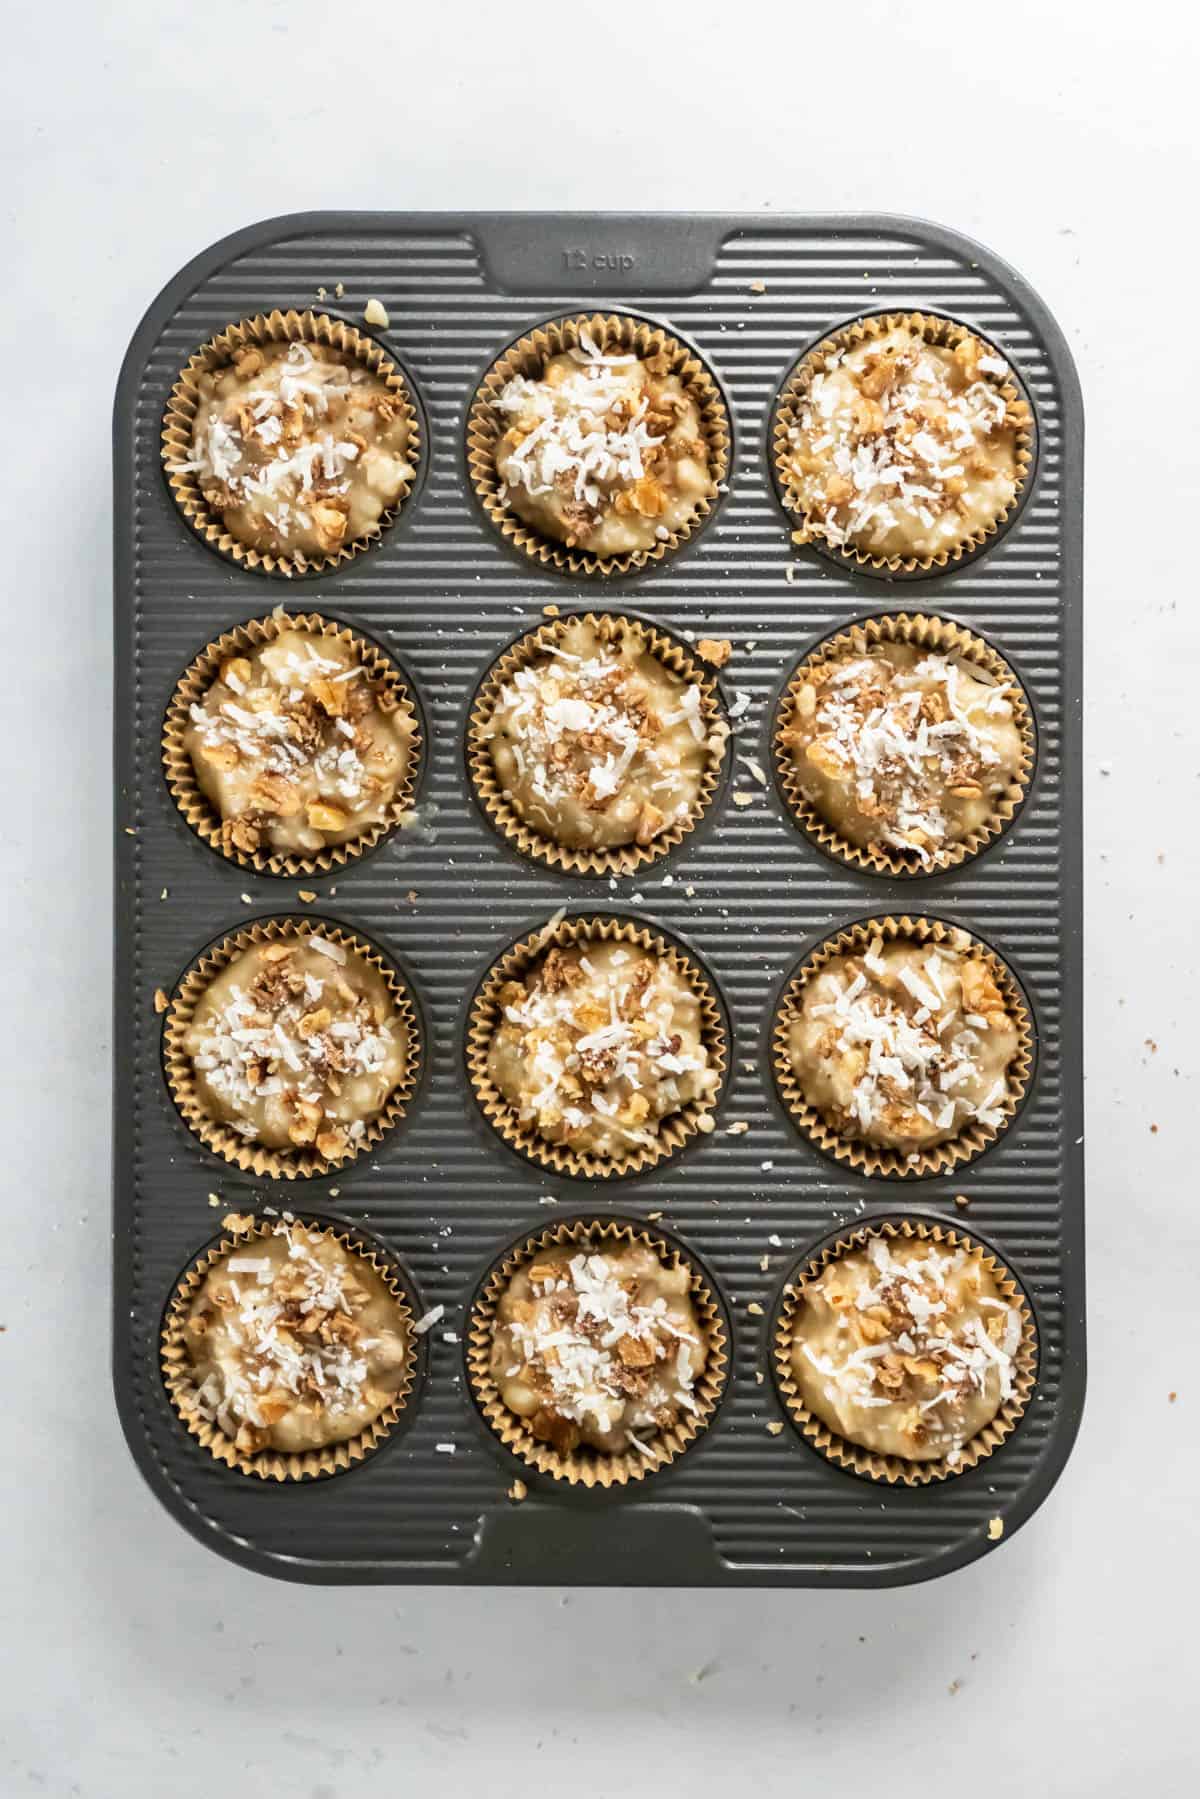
(929, 633)
(585, 1466)
(180, 772)
(872, 1158)
(179, 418)
(277, 1464)
(674, 1131)
(935, 330)
(620, 859)
(894, 1469)
(221, 1138)
(611, 332)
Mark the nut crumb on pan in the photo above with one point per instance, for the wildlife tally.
(293, 1342)
(754, 1309)
(375, 313)
(758, 287)
(599, 1346)
(161, 1002)
(550, 611)
(775, 1428)
(298, 447)
(518, 1491)
(743, 799)
(714, 650)
(995, 1529)
(960, 1199)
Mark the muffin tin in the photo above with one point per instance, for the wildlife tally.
(443, 1195)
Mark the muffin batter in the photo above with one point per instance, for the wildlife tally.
(601, 1347)
(296, 747)
(597, 743)
(299, 448)
(604, 452)
(294, 1343)
(905, 1045)
(597, 1045)
(296, 1045)
(903, 749)
(905, 1348)
(904, 447)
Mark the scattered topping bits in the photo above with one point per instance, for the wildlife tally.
(161, 1002)
(995, 1529)
(775, 1428)
(714, 650)
(518, 1491)
(375, 313)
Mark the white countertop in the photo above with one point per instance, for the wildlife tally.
(135, 1663)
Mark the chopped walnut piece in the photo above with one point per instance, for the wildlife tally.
(715, 650)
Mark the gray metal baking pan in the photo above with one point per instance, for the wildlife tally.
(749, 893)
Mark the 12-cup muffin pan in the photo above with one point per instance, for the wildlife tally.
(747, 893)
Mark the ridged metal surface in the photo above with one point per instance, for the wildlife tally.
(444, 1193)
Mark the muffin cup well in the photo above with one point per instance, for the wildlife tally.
(896, 1470)
(611, 332)
(584, 1466)
(696, 1118)
(872, 1158)
(939, 636)
(935, 329)
(178, 421)
(194, 683)
(275, 1464)
(221, 1138)
(620, 859)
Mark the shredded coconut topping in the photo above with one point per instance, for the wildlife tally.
(600, 743)
(598, 434)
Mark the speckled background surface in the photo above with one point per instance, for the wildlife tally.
(135, 138)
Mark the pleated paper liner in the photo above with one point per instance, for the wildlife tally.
(943, 637)
(674, 1131)
(179, 419)
(620, 859)
(199, 676)
(935, 329)
(584, 1466)
(872, 1158)
(891, 1469)
(274, 1464)
(221, 1138)
(612, 333)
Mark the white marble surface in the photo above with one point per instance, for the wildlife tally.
(135, 1663)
